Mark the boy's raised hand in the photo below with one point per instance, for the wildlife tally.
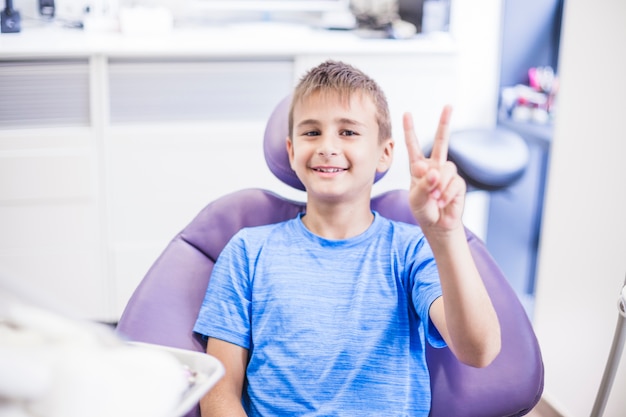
(437, 192)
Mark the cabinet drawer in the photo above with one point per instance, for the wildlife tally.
(44, 93)
(148, 91)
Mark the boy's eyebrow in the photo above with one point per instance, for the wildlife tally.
(342, 120)
(345, 120)
(307, 122)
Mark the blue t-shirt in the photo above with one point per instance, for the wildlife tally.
(333, 327)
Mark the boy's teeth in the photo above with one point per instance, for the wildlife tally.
(329, 169)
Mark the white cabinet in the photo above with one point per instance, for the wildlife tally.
(50, 220)
(110, 150)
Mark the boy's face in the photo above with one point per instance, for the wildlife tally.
(335, 149)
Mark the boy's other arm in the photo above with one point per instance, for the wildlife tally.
(224, 399)
(464, 315)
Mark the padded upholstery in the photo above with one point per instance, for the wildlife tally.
(164, 307)
(489, 159)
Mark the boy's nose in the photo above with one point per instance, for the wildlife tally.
(327, 153)
(328, 147)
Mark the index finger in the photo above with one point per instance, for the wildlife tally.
(412, 144)
(440, 144)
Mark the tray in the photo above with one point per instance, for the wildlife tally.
(205, 371)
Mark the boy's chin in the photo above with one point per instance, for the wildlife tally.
(337, 195)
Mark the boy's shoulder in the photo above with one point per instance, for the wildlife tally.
(400, 225)
(262, 231)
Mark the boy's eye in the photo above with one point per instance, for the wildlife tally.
(348, 133)
(311, 133)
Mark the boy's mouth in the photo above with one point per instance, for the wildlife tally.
(330, 170)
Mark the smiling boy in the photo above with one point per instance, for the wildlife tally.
(329, 313)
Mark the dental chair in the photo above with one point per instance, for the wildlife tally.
(164, 307)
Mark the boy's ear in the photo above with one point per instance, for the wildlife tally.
(386, 157)
(289, 145)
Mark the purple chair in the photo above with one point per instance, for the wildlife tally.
(164, 307)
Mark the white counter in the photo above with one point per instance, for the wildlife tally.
(235, 40)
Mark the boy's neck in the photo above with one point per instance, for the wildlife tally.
(337, 222)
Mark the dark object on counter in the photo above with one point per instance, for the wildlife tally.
(10, 21)
(47, 8)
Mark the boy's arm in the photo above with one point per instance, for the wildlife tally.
(224, 399)
(464, 315)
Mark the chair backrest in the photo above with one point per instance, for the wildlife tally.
(164, 307)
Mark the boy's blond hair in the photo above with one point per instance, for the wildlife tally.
(344, 80)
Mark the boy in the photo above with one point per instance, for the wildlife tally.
(328, 313)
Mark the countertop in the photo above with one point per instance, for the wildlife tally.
(261, 39)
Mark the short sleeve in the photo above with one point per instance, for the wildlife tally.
(433, 336)
(225, 310)
(426, 289)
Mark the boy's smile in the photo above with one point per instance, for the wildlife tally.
(335, 149)
(328, 170)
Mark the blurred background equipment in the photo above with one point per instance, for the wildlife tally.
(615, 355)
(10, 20)
(46, 8)
(55, 366)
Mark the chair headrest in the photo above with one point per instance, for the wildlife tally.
(275, 150)
(276, 132)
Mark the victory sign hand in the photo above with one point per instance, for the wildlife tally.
(437, 192)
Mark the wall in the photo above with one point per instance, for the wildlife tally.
(530, 38)
(475, 26)
(583, 246)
